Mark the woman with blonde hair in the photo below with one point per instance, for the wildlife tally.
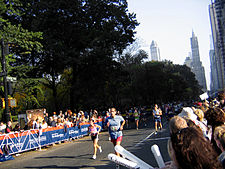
(177, 123)
(202, 123)
(219, 137)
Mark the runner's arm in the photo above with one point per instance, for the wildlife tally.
(121, 127)
(99, 128)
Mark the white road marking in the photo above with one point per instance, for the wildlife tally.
(162, 138)
(142, 141)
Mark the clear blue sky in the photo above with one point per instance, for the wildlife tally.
(170, 24)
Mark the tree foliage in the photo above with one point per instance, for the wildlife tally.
(69, 54)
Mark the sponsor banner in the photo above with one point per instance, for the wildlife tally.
(84, 130)
(31, 139)
(73, 132)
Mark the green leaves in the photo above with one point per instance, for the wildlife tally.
(16, 35)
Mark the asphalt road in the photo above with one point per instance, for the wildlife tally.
(77, 153)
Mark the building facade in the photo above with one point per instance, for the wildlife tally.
(188, 60)
(214, 85)
(155, 53)
(196, 64)
(217, 56)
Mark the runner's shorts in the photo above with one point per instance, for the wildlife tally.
(116, 140)
(158, 120)
(93, 137)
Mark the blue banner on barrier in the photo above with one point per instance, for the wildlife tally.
(31, 139)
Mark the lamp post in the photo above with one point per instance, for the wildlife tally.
(4, 74)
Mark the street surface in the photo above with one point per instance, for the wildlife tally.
(77, 153)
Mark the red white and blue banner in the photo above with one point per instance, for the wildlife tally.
(31, 139)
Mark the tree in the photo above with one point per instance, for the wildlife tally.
(74, 29)
(14, 36)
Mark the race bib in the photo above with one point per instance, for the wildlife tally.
(113, 128)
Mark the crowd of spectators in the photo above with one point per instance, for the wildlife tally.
(197, 136)
(197, 130)
(61, 119)
(68, 118)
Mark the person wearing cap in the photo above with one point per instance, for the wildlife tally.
(188, 113)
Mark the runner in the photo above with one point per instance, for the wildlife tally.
(127, 119)
(157, 117)
(94, 131)
(105, 121)
(115, 128)
(136, 117)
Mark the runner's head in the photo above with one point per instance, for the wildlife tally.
(113, 112)
(91, 122)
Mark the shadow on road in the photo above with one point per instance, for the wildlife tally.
(79, 156)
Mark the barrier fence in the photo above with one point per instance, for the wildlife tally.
(31, 139)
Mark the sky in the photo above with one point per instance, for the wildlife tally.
(170, 23)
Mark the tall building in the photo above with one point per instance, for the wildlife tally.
(155, 53)
(217, 19)
(214, 84)
(188, 60)
(196, 64)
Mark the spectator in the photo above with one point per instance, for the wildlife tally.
(69, 113)
(54, 122)
(59, 122)
(2, 127)
(46, 118)
(50, 121)
(17, 127)
(200, 115)
(8, 128)
(82, 118)
(215, 117)
(94, 117)
(36, 124)
(192, 151)
(44, 124)
(54, 114)
(176, 124)
(74, 117)
(66, 114)
(202, 123)
(96, 113)
(219, 137)
(188, 113)
(69, 122)
(61, 115)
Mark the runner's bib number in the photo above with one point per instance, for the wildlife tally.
(114, 128)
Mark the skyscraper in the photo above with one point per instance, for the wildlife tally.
(214, 84)
(188, 60)
(155, 54)
(217, 19)
(196, 65)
